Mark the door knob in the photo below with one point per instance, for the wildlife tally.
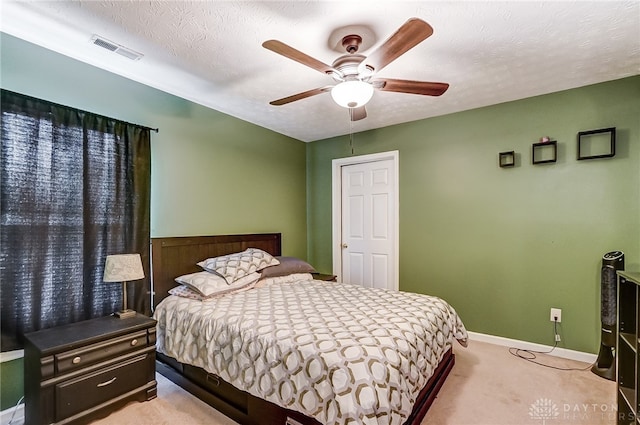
(344, 245)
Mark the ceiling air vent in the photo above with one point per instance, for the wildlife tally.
(115, 47)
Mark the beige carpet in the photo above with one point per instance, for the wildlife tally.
(487, 386)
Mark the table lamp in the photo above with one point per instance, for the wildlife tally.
(123, 268)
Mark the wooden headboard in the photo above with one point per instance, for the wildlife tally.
(173, 257)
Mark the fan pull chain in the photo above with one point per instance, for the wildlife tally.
(351, 130)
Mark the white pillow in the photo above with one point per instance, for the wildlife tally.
(294, 277)
(210, 284)
(185, 291)
(234, 266)
(204, 283)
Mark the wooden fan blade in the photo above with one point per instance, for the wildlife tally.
(409, 86)
(291, 53)
(358, 114)
(406, 37)
(300, 96)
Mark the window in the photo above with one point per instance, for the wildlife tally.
(74, 188)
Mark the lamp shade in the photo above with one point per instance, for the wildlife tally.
(352, 94)
(123, 267)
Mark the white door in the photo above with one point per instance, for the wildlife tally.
(368, 240)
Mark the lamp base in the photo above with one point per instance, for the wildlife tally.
(125, 314)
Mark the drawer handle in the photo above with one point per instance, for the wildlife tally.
(134, 342)
(110, 381)
(213, 379)
(76, 360)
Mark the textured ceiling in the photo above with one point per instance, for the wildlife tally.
(210, 52)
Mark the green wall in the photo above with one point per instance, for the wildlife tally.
(504, 245)
(11, 383)
(211, 173)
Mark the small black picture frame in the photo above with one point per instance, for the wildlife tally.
(507, 159)
(544, 152)
(589, 141)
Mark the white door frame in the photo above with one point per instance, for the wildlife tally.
(336, 209)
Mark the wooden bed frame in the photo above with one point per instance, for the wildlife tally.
(175, 256)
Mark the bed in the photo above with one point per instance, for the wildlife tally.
(277, 380)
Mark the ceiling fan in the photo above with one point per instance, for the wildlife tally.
(354, 72)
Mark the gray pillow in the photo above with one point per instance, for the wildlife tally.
(287, 266)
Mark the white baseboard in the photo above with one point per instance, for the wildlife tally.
(8, 356)
(18, 417)
(557, 352)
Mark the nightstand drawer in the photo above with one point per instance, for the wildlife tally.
(90, 390)
(90, 354)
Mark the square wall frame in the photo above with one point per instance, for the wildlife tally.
(544, 152)
(588, 141)
(507, 159)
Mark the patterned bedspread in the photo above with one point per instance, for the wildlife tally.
(343, 354)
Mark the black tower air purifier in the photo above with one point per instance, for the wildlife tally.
(605, 365)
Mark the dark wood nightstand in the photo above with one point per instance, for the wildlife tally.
(82, 371)
(325, 277)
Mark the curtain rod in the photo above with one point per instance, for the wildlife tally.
(156, 130)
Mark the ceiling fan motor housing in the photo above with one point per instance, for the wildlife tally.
(347, 66)
(351, 43)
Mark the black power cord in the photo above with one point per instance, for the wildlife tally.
(530, 355)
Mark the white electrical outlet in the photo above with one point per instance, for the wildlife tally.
(556, 315)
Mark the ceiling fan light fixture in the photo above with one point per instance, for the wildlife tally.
(352, 94)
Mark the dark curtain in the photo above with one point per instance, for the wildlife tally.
(75, 187)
